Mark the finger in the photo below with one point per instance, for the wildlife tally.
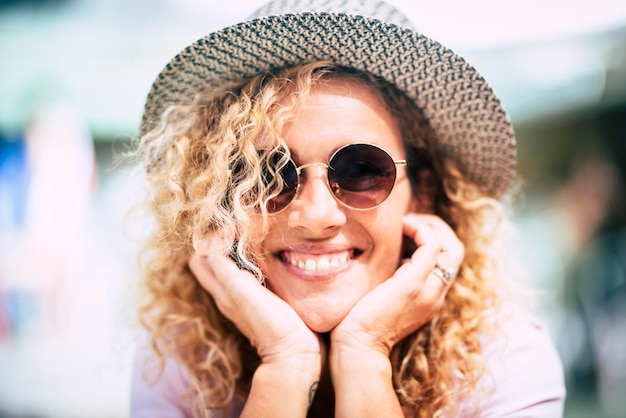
(221, 277)
(271, 325)
(413, 272)
(452, 250)
(213, 254)
(423, 237)
(199, 266)
(449, 241)
(203, 267)
(424, 286)
(238, 295)
(427, 232)
(446, 275)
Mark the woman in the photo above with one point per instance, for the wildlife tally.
(327, 240)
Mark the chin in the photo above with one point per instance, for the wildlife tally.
(321, 324)
(321, 327)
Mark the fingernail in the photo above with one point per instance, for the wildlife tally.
(211, 244)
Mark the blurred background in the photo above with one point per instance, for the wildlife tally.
(73, 77)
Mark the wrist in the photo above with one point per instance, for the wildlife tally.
(350, 364)
(301, 365)
(363, 383)
(359, 360)
(281, 389)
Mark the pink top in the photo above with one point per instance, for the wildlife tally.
(524, 377)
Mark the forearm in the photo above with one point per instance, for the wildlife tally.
(363, 384)
(281, 390)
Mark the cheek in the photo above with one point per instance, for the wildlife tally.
(388, 242)
(390, 233)
(424, 200)
(256, 237)
(387, 236)
(402, 200)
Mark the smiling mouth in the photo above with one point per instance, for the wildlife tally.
(318, 263)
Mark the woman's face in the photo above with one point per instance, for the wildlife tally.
(320, 256)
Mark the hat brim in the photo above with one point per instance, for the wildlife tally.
(471, 125)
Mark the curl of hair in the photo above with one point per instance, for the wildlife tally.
(204, 172)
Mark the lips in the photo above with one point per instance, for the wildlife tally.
(318, 263)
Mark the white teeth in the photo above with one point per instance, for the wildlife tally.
(310, 265)
(323, 264)
(319, 263)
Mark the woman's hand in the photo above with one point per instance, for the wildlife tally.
(291, 354)
(271, 325)
(361, 344)
(412, 296)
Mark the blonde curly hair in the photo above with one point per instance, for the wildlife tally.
(204, 173)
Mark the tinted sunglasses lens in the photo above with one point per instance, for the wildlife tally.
(288, 176)
(361, 175)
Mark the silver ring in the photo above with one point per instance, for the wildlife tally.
(446, 275)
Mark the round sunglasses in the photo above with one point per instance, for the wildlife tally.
(360, 176)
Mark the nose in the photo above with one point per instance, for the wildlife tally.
(315, 208)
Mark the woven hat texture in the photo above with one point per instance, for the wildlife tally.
(469, 121)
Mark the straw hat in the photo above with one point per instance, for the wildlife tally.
(369, 35)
